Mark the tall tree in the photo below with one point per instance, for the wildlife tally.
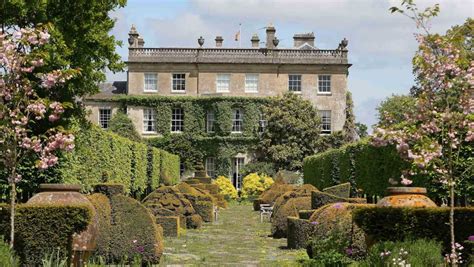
(394, 108)
(122, 125)
(349, 129)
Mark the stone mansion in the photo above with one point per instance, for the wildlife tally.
(259, 71)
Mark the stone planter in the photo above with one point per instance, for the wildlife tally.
(84, 243)
(406, 197)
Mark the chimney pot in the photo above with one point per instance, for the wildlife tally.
(255, 41)
(219, 41)
(270, 36)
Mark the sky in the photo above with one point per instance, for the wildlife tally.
(381, 44)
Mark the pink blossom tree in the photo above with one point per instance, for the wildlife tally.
(27, 100)
(433, 135)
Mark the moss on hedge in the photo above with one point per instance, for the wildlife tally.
(290, 208)
(341, 190)
(40, 229)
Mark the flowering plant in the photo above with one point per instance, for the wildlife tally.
(29, 113)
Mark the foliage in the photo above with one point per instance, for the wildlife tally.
(133, 232)
(103, 209)
(7, 255)
(54, 259)
(392, 110)
(35, 225)
(282, 210)
(414, 223)
(154, 167)
(122, 125)
(292, 131)
(349, 129)
(329, 250)
(226, 188)
(169, 167)
(289, 177)
(260, 167)
(361, 130)
(253, 185)
(420, 252)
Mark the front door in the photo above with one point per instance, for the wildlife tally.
(237, 164)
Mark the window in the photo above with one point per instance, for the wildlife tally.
(262, 123)
(294, 83)
(151, 84)
(179, 82)
(324, 84)
(210, 167)
(222, 83)
(325, 121)
(237, 121)
(251, 83)
(177, 120)
(149, 118)
(104, 117)
(210, 119)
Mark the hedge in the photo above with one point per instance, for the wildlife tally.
(169, 168)
(40, 229)
(154, 167)
(399, 224)
(364, 166)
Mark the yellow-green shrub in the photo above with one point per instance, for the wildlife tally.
(226, 187)
(254, 185)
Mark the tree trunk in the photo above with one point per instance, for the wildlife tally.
(12, 213)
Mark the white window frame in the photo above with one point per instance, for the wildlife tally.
(223, 83)
(177, 120)
(237, 121)
(211, 167)
(262, 123)
(251, 83)
(292, 83)
(324, 85)
(149, 120)
(326, 123)
(102, 119)
(178, 79)
(148, 87)
(210, 121)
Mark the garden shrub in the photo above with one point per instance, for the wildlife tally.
(170, 225)
(299, 232)
(133, 232)
(109, 189)
(226, 188)
(340, 190)
(103, 209)
(7, 255)
(399, 224)
(169, 168)
(139, 179)
(305, 214)
(319, 199)
(202, 202)
(154, 167)
(290, 208)
(42, 228)
(122, 125)
(289, 177)
(270, 195)
(336, 220)
(254, 184)
(420, 252)
(298, 191)
(329, 250)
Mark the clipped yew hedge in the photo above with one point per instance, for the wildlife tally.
(40, 229)
(104, 157)
(364, 166)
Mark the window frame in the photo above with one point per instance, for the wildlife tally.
(175, 122)
(325, 122)
(150, 118)
(218, 79)
(291, 84)
(210, 172)
(255, 80)
(145, 89)
(100, 120)
(237, 112)
(210, 127)
(262, 123)
(173, 79)
(326, 84)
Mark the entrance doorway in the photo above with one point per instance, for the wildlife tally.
(237, 164)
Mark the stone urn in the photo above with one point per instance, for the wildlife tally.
(84, 243)
(406, 197)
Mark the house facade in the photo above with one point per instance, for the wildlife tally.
(165, 85)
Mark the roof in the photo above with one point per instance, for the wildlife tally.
(110, 89)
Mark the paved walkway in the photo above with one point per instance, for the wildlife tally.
(238, 239)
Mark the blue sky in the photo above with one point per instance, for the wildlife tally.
(381, 44)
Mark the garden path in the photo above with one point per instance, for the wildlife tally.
(237, 239)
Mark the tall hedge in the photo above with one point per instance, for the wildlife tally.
(169, 168)
(40, 229)
(154, 167)
(366, 167)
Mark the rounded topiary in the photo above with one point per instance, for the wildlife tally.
(289, 208)
(102, 206)
(254, 184)
(226, 187)
(109, 189)
(298, 191)
(336, 219)
(270, 195)
(202, 202)
(133, 232)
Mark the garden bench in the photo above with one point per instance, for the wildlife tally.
(266, 210)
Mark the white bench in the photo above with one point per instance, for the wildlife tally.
(266, 210)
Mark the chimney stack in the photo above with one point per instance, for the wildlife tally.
(219, 41)
(255, 41)
(270, 36)
(302, 38)
(134, 39)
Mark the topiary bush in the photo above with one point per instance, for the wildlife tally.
(169, 168)
(42, 228)
(103, 209)
(253, 185)
(154, 167)
(270, 195)
(202, 202)
(133, 232)
(319, 199)
(109, 189)
(226, 188)
(298, 191)
(341, 190)
(290, 208)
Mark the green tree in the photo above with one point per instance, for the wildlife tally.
(122, 125)
(361, 129)
(292, 132)
(349, 129)
(392, 110)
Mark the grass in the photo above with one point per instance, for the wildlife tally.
(237, 239)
